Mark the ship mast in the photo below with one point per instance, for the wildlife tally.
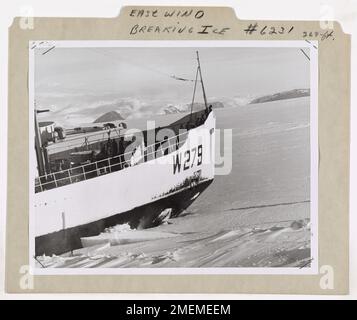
(203, 87)
(38, 145)
(198, 72)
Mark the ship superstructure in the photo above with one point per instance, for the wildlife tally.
(96, 176)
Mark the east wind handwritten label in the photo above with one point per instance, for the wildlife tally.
(174, 26)
(140, 13)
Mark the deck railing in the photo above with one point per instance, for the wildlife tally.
(111, 164)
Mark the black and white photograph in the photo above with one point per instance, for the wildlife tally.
(173, 157)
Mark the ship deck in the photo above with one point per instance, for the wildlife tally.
(95, 168)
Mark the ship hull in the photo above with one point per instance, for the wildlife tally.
(141, 217)
(136, 195)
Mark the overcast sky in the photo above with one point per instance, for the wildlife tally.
(66, 76)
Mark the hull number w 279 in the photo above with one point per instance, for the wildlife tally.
(186, 160)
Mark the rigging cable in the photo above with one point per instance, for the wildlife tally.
(145, 67)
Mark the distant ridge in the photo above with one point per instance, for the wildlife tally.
(291, 94)
(237, 101)
(109, 116)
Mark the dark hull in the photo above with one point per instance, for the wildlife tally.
(140, 217)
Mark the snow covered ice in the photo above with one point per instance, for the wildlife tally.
(258, 216)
